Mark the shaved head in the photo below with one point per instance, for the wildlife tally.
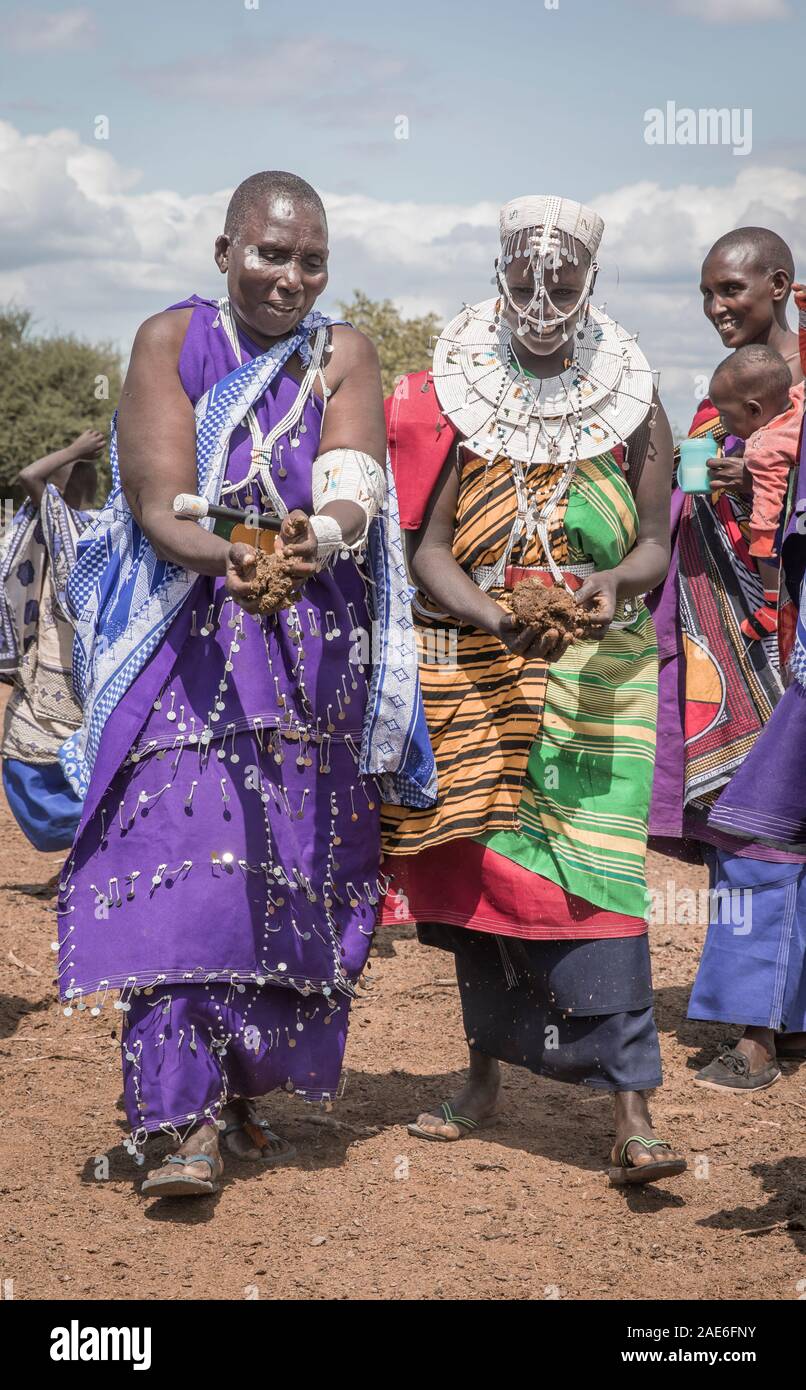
(274, 253)
(755, 370)
(260, 190)
(765, 250)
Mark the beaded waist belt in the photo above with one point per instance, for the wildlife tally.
(573, 576)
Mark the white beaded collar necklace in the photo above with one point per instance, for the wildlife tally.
(595, 404)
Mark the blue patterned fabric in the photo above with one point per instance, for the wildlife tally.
(37, 535)
(124, 598)
(20, 584)
(395, 745)
(797, 659)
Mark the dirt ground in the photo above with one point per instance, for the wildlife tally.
(365, 1212)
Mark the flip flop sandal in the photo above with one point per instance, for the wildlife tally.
(182, 1184)
(629, 1174)
(463, 1124)
(274, 1151)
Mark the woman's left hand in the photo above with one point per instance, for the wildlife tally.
(297, 543)
(599, 598)
(730, 472)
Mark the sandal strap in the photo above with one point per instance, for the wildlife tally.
(191, 1158)
(260, 1134)
(452, 1119)
(244, 1126)
(639, 1139)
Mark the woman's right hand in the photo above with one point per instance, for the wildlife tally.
(297, 543)
(528, 642)
(240, 575)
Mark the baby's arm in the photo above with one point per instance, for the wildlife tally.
(770, 457)
(770, 462)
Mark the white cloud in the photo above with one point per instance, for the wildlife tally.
(734, 11)
(88, 252)
(48, 30)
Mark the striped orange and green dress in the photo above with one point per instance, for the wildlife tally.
(544, 771)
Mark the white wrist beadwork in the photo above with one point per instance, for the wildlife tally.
(329, 537)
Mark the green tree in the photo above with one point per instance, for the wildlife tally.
(404, 345)
(51, 389)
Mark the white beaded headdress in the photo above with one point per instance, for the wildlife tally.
(552, 215)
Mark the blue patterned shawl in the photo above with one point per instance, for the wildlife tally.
(124, 599)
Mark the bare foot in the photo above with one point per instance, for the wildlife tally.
(48, 889)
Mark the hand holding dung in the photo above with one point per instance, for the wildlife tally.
(241, 575)
(297, 543)
(544, 621)
(596, 601)
(274, 579)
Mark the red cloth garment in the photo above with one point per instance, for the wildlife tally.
(420, 439)
(465, 884)
(800, 301)
(705, 414)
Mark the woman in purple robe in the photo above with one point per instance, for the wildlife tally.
(224, 877)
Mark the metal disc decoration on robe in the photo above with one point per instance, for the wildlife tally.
(595, 404)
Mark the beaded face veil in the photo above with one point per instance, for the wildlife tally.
(546, 231)
(605, 388)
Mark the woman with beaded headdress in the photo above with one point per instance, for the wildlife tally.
(537, 450)
(224, 879)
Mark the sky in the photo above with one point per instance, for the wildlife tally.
(125, 127)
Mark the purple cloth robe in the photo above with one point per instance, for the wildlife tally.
(766, 797)
(224, 876)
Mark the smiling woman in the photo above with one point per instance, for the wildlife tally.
(721, 680)
(230, 791)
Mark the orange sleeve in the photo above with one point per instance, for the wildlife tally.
(770, 455)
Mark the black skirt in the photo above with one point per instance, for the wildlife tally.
(577, 1011)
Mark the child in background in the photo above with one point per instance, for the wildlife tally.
(752, 390)
(36, 640)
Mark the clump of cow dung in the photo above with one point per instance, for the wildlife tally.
(274, 585)
(541, 607)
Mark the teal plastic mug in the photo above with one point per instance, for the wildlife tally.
(692, 475)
